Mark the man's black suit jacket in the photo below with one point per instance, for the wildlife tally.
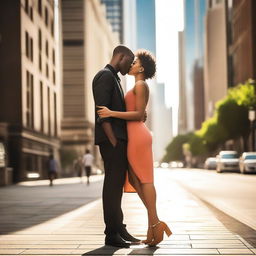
(108, 92)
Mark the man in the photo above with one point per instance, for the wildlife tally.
(88, 161)
(52, 169)
(111, 136)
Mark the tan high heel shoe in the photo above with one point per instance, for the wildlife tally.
(149, 236)
(158, 232)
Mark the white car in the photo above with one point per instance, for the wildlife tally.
(248, 162)
(210, 163)
(227, 161)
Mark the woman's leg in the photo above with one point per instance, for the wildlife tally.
(135, 182)
(149, 195)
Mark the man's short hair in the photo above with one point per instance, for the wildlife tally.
(123, 50)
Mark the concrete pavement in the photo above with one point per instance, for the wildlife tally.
(73, 222)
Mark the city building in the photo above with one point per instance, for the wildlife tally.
(242, 46)
(30, 85)
(130, 24)
(88, 43)
(194, 13)
(216, 55)
(114, 14)
(182, 115)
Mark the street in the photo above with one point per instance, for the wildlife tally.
(233, 193)
(66, 219)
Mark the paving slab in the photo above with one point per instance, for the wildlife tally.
(78, 230)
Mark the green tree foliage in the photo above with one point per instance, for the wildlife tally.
(213, 133)
(174, 151)
(233, 117)
(230, 121)
(243, 94)
(197, 145)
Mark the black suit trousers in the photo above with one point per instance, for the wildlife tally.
(115, 165)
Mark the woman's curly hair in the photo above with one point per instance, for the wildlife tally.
(148, 62)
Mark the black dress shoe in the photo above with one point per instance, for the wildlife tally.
(117, 241)
(128, 237)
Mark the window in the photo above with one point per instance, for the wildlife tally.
(47, 48)
(30, 100)
(49, 111)
(42, 106)
(27, 6)
(53, 77)
(40, 61)
(55, 114)
(52, 27)
(40, 7)
(27, 44)
(47, 70)
(31, 49)
(40, 39)
(53, 56)
(31, 12)
(46, 16)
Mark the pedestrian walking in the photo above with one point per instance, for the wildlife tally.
(88, 163)
(52, 169)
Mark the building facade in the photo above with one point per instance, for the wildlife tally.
(242, 46)
(193, 44)
(114, 14)
(30, 87)
(88, 43)
(216, 55)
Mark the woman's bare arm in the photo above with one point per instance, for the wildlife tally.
(141, 95)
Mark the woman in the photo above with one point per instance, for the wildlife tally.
(139, 147)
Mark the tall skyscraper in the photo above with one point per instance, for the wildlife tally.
(216, 55)
(130, 24)
(182, 119)
(194, 53)
(114, 12)
(30, 85)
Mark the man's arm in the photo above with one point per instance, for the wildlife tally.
(106, 126)
(102, 92)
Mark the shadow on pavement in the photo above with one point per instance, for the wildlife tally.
(109, 250)
(22, 207)
(103, 250)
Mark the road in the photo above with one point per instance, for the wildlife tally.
(232, 193)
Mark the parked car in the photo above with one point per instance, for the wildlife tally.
(210, 163)
(176, 164)
(227, 161)
(248, 162)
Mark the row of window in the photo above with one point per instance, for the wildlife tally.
(29, 11)
(29, 53)
(46, 46)
(43, 101)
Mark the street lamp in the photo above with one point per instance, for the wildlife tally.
(251, 117)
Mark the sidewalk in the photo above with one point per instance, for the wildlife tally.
(196, 231)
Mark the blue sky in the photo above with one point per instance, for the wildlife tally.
(146, 25)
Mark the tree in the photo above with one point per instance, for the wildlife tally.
(174, 151)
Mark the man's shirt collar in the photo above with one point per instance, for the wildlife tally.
(113, 71)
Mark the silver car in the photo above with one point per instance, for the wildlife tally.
(210, 163)
(248, 162)
(227, 161)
